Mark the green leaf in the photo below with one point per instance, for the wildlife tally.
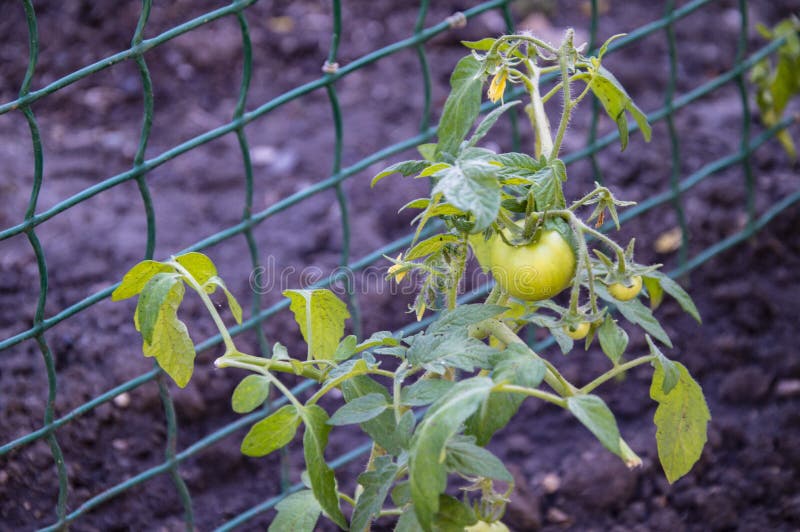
(596, 416)
(613, 339)
(321, 316)
(378, 339)
(198, 265)
(359, 410)
(635, 312)
(483, 45)
(424, 392)
(377, 484)
(674, 289)
(671, 372)
(514, 366)
(427, 472)
(272, 432)
(487, 123)
(464, 457)
(404, 168)
(298, 512)
(161, 290)
(654, 291)
(615, 102)
(250, 393)
(471, 186)
(323, 481)
(430, 245)
(407, 521)
(346, 348)
(236, 308)
(462, 316)
(436, 353)
(462, 105)
(681, 421)
(169, 341)
(546, 186)
(137, 277)
(381, 428)
(453, 515)
(428, 151)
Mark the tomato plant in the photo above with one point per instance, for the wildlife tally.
(432, 400)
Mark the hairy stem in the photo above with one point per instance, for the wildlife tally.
(616, 370)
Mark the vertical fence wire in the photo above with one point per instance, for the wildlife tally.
(674, 142)
(597, 173)
(41, 263)
(249, 219)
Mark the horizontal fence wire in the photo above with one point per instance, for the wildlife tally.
(250, 220)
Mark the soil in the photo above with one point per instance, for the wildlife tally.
(744, 354)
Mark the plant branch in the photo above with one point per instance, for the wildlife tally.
(616, 370)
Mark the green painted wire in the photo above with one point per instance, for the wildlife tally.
(741, 52)
(513, 117)
(41, 263)
(341, 198)
(422, 55)
(597, 172)
(674, 142)
(147, 122)
(246, 118)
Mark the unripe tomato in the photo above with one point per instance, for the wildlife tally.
(536, 271)
(483, 526)
(580, 331)
(626, 293)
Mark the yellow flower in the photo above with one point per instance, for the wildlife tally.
(498, 85)
(394, 267)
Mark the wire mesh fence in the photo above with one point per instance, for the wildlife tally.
(245, 113)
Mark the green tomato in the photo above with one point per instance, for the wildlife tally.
(580, 332)
(536, 271)
(483, 526)
(626, 293)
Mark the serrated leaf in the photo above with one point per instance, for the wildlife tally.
(674, 289)
(137, 277)
(487, 123)
(359, 410)
(236, 308)
(158, 293)
(438, 352)
(430, 245)
(462, 106)
(613, 339)
(483, 44)
(169, 341)
(654, 291)
(681, 421)
(346, 348)
(424, 392)
(382, 427)
(272, 432)
(376, 484)
(323, 481)
(250, 393)
(546, 186)
(321, 316)
(198, 265)
(670, 371)
(380, 338)
(407, 521)
(453, 515)
(635, 312)
(462, 316)
(616, 101)
(298, 512)
(404, 168)
(596, 416)
(472, 187)
(515, 366)
(464, 457)
(427, 472)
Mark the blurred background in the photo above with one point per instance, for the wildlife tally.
(113, 475)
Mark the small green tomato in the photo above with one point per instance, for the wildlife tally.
(626, 293)
(579, 332)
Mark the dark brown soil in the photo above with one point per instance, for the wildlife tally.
(744, 355)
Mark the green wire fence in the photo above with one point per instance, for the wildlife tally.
(250, 220)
